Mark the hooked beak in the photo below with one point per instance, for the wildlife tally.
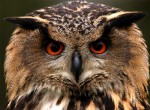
(76, 67)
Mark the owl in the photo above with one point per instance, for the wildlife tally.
(77, 55)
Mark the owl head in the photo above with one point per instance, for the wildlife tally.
(78, 49)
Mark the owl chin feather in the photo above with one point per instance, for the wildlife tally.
(88, 96)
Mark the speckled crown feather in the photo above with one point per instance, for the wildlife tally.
(74, 16)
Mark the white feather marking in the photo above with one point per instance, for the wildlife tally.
(51, 102)
(90, 73)
(41, 10)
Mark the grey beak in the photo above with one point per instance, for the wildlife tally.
(76, 65)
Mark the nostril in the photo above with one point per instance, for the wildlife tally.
(76, 65)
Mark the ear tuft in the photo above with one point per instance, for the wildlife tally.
(27, 22)
(124, 18)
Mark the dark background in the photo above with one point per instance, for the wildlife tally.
(10, 8)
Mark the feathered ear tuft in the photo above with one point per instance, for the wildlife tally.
(124, 18)
(28, 22)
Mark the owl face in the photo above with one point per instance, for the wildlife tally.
(78, 49)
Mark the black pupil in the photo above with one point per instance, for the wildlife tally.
(97, 46)
(55, 46)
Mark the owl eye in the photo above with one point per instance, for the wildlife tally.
(54, 48)
(98, 47)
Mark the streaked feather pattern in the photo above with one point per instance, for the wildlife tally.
(48, 100)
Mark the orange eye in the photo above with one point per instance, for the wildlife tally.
(98, 47)
(54, 48)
